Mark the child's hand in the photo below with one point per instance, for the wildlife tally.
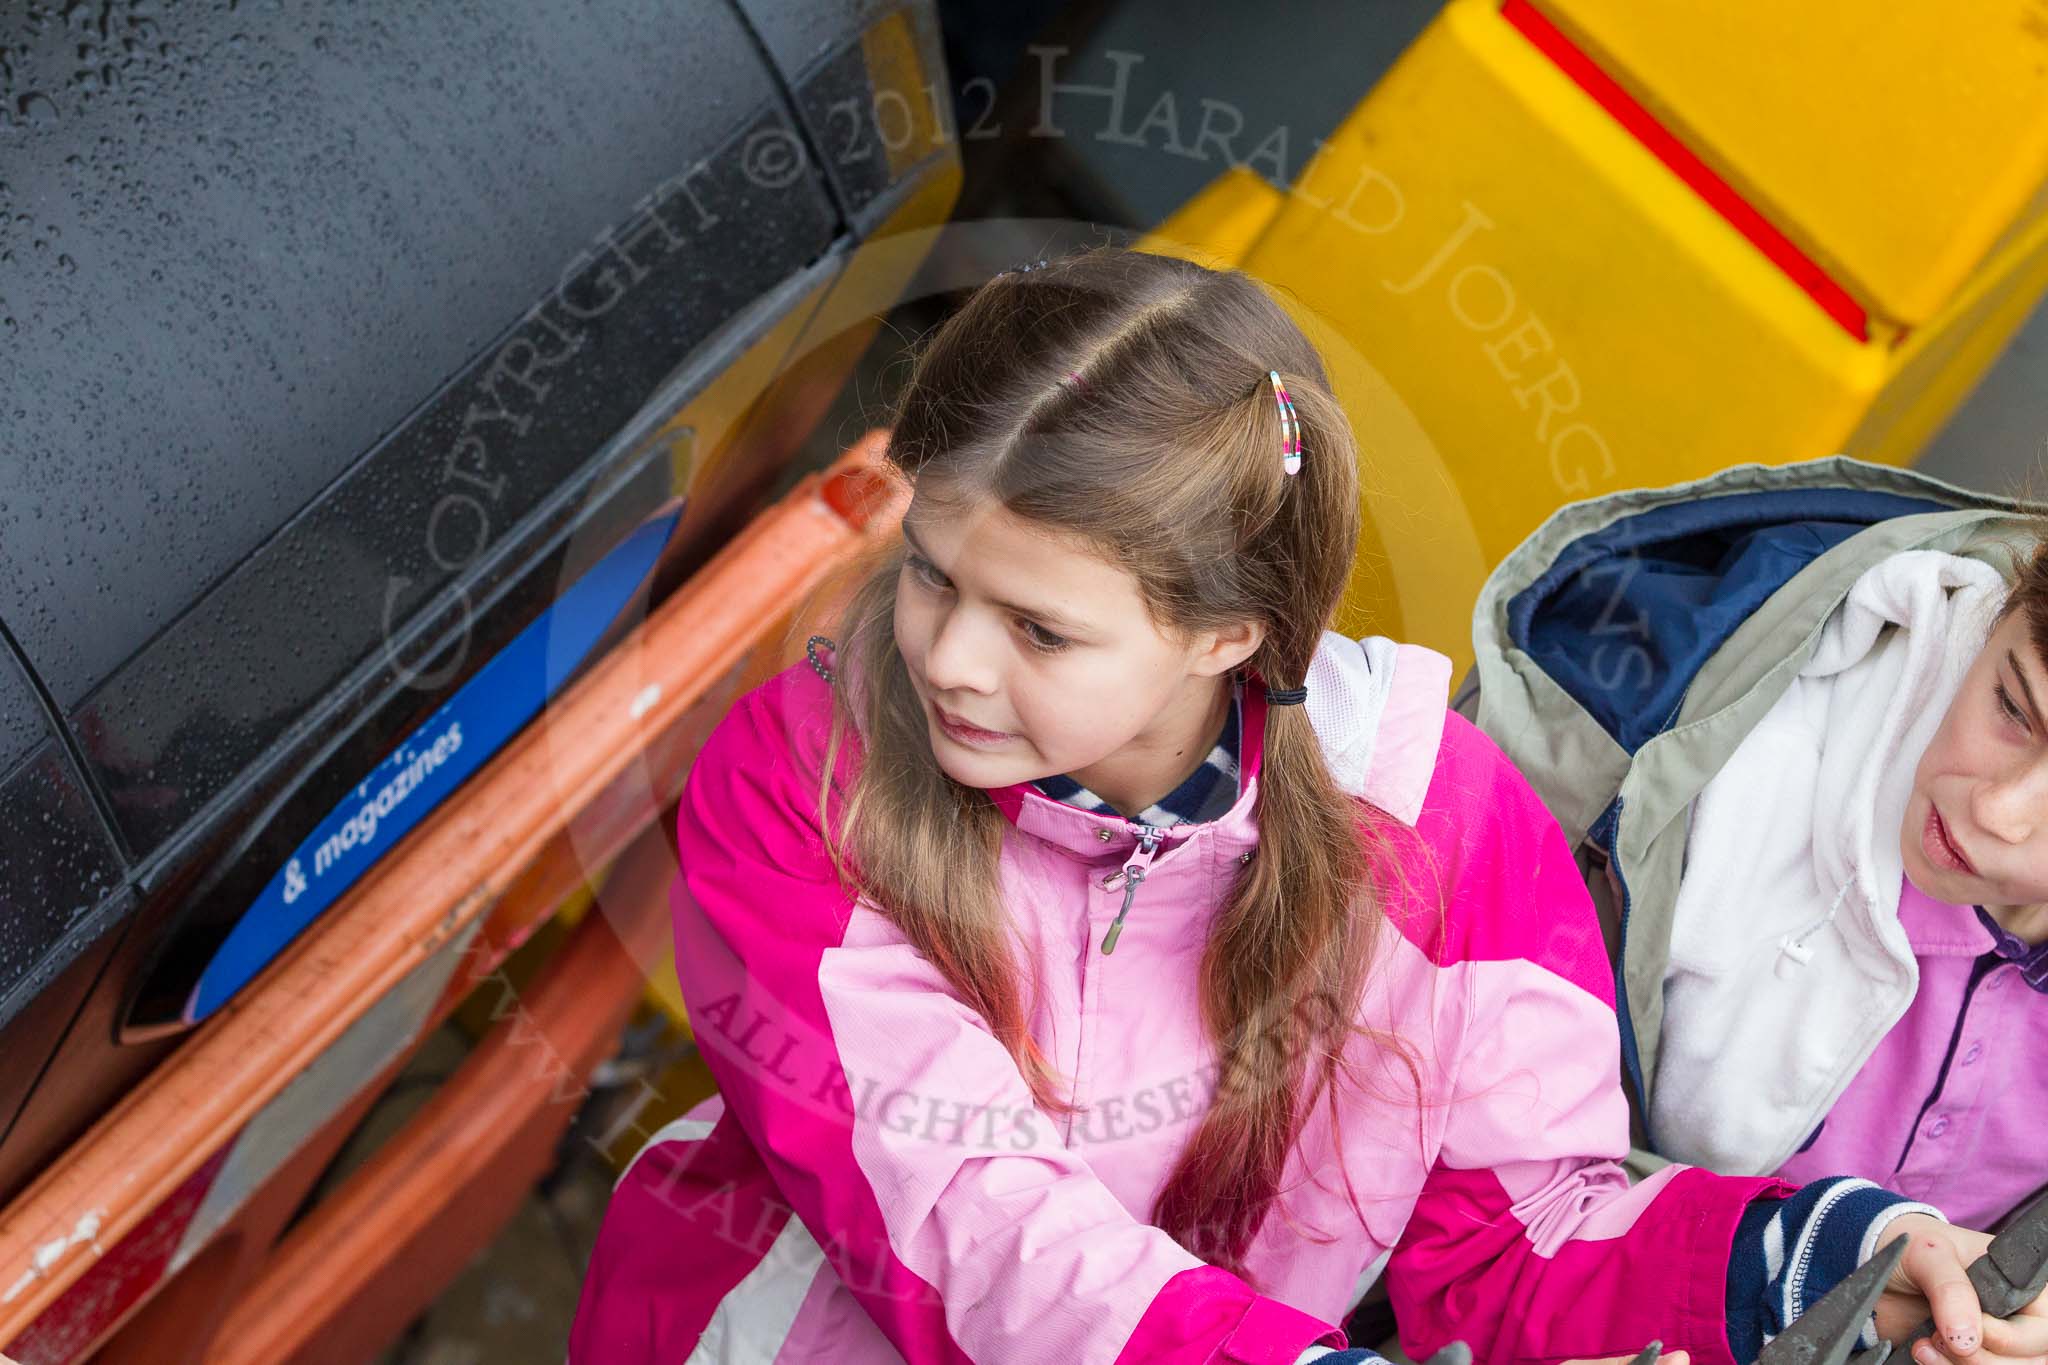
(1934, 1277)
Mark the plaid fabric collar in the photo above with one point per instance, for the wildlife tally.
(2031, 958)
(1207, 793)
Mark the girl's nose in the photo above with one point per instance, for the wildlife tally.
(960, 658)
(2012, 809)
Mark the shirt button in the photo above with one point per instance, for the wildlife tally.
(1972, 1053)
(1938, 1127)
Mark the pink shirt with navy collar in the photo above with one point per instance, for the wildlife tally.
(1950, 1107)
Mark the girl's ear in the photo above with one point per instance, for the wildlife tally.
(1219, 651)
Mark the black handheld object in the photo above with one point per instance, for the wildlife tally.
(1826, 1333)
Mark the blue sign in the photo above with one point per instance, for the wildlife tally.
(430, 763)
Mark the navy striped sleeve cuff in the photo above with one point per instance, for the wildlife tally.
(1789, 1253)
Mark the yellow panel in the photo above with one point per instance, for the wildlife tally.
(1221, 224)
(1523, 308)
(905, 116)
(665, 993)
(1896, 143)
(1941, 363)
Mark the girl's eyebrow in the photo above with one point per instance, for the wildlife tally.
(2021, 674)
(1049, 619)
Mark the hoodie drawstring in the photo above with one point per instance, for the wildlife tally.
(1792, 950)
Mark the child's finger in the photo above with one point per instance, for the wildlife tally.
(1936, 1270)
(1987, 1356)
(1929, 1352)
(2018, 1338)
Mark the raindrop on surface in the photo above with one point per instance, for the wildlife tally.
(67, 265)
(37, 108)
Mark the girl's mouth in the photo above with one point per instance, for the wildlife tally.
(1940, 846)
(962, 733)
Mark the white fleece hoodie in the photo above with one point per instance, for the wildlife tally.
(1788, 964)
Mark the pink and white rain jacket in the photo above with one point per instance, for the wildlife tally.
(878, 1185)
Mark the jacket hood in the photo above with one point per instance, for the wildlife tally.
(1627, 648)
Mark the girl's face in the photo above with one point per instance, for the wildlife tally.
(1976, 830)
(1034, 656)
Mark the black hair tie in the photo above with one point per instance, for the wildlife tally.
(1286, 696)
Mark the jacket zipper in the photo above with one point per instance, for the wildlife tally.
(1134, 871)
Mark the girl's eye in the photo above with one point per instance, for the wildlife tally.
(1042, 639)
(2011, 708)
(1038, 636)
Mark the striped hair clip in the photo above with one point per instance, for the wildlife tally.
(1290, 426)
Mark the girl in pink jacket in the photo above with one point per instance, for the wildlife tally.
(1099, 961)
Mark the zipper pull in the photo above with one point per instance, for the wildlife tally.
(1134, 873)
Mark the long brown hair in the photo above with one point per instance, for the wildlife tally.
(1122, 398)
